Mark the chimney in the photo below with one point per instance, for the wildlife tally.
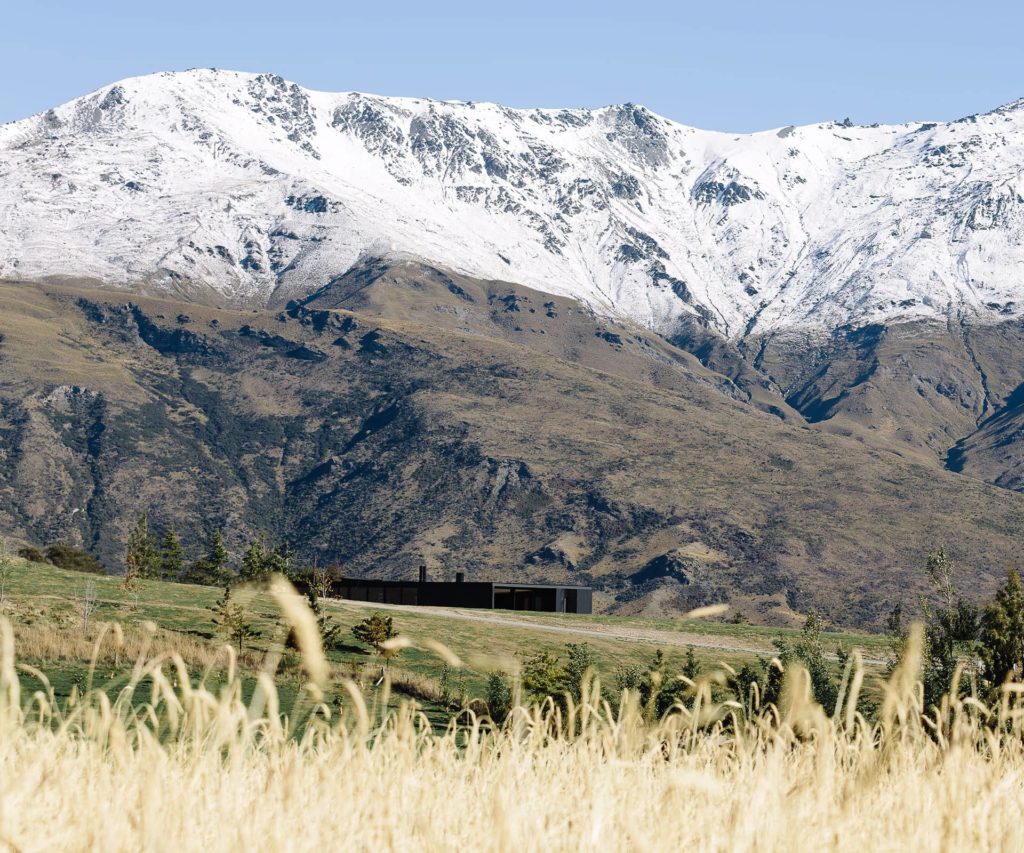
(423, 574)
(460, 577)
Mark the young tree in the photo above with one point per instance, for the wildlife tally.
(499, 696)
(85, 604)
(259, 562)
(629, 677)
(809, 650)
(282, 561)
(544, 675)
(950, 633)
(217, 555)
(328, 628)
(662, 690)
(255, 568)
(322, 580)
(742, 687)
(130, 582)
(691, 667)
(1001, 638)
(210, 569)
(941, 569)
(452, 686)
(896, 635)
(581, 659)
(141, 551)
(233, 621)
(6, 571)
(374, 631)
(172, 559)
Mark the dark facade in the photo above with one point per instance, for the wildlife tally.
(484, 595)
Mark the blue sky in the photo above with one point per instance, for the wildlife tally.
(727, 66)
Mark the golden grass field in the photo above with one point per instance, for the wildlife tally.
(171, 764)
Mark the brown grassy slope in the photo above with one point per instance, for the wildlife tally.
(488, 439)
(921, 387)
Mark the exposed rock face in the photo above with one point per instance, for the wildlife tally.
(676, 343)
(504, 443)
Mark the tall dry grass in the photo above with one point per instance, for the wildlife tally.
(190, 768)
(112, 645)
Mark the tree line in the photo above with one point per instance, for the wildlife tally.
(967, 647)
(153, 556)
(162, 557)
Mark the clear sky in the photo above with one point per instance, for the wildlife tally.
(720, 65)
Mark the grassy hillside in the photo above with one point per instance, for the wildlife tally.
(411, 415)
(44, 604)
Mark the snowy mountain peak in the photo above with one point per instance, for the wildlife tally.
(251, 188)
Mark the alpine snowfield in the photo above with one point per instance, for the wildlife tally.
(249, 189)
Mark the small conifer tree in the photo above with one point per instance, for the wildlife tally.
(6, 571)
(210, 569)
(141, 551)
(375, 631)
(233, 621)
(1001, 638)
(172, 559)
(216, 554)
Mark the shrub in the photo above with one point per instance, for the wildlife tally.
(629, 678)
(581, 659)
(810, 652)
(499, 696)
(74, 559)
(544, 675)
(374, 631)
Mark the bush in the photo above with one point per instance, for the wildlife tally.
(581, 660)
(74, 559)
(375, 631)
(33, 555)
(452, 687)
(499, 696)
(205, 573)
(810, 652)
(629, 678)
(543, 675)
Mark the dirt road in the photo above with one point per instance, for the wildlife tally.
(653, 636)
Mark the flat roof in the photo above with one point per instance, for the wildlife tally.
(516, 585)
(508, 584)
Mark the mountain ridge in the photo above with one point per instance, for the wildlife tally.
(249, 189)
(679, 364)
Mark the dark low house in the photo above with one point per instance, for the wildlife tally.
(488, 595)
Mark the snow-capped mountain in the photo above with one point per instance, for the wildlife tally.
(255, 189)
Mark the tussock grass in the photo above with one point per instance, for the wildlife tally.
(111, 644)
(197, 768)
